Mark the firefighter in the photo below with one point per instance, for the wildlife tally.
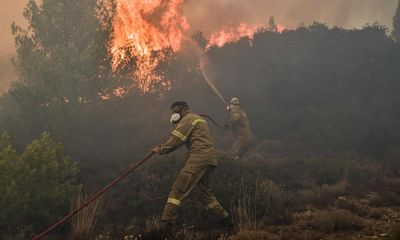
(239, 123)
(198, 171)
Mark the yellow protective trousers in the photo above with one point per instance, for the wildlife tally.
(200, 180)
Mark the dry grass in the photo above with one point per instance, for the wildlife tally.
(242, 210)
(188, 232)
(395, 232)
(253, 235)
(268, 190)
(323, 196)
(275, 200)
(18, 235)
(83, 222)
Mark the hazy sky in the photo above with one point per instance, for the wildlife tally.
(10, 11)
(209, 15)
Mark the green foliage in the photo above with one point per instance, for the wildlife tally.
(62, 54)
(37, 185)
(62, 61)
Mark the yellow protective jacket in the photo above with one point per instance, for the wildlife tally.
(239, 123)
(192, 130)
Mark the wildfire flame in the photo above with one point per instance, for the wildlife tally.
(232, 34)
(143, 29)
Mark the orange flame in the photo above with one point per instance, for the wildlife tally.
(227, 35)
(232, 34)
(144, 29)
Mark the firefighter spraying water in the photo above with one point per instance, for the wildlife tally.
(238, 121)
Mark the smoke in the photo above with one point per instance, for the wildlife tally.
(210, 15)
(10, 11)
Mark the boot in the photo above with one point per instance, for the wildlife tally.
(227, 224)
(166, 230)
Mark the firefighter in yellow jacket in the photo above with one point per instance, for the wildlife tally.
(239, 123)
(191, 130)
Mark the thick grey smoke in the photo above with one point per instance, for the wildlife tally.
(209, 15)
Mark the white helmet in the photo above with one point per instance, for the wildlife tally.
(235, 101)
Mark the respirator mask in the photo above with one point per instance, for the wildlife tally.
(175, 117)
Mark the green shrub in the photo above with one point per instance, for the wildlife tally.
(37, 185)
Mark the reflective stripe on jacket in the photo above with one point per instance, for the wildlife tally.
(192, 130)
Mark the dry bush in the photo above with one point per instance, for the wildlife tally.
(243, 213)
(365, 175)
(391, 185)
(377, 213)
(112, 232)
(353, 206)
(83, 221)
(253, 235)
(386, 200)
(17, 235)
(273, 200)
(335, 220)
(272, 192)
(267, 200)
(323, 195)
(150, 231)
(395, 232)
(188, 232)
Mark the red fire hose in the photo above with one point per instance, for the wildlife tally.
(92, 199)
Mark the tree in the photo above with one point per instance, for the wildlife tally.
(396, 24)
(272, 27)
(62, 63)
(37, 185)
(62, 54)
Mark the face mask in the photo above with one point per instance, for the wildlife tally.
(175, 117)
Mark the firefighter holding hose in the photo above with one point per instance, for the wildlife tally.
(191, 130)
(238, 122)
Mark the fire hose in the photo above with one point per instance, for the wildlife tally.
(92, 199)
(213, 121)
(106, 188)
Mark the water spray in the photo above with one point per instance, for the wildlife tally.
(208, 80)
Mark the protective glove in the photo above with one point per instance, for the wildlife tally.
(156, 149)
